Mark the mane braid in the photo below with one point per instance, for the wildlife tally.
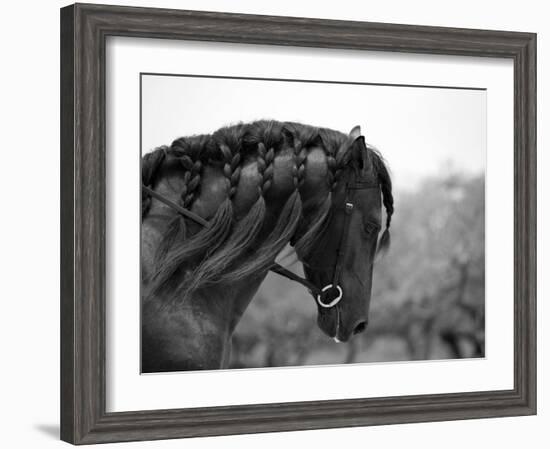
(175, 257)
(280, 235)
(244, 232)
(177, 229)
(310, 229)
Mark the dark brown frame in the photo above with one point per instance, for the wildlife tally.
(83, 32)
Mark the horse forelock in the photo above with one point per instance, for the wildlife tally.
(223, 251)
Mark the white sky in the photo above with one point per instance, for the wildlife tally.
(420, 131)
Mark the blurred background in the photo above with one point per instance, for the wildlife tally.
(427, 298)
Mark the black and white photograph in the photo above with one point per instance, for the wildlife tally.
(294, 222)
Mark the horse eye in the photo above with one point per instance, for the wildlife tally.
(371, 228)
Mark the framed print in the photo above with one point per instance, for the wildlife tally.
(268, 223)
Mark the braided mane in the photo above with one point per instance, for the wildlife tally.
(229, 249)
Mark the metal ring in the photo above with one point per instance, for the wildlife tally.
(334, 301)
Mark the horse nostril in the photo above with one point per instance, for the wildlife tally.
(360, 327)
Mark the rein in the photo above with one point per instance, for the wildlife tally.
(317, 293)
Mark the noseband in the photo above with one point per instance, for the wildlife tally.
(318, 293)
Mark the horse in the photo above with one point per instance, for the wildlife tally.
(217, 209)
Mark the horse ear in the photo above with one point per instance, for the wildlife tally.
(362, 155)
(355, 132)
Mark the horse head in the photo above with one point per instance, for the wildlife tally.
(340, 264)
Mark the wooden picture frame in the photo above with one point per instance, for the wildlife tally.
(84, 29)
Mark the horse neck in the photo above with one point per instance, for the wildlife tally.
(195, 334)
(217, 309)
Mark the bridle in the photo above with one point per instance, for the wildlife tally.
(318, 293)
(343, 245)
